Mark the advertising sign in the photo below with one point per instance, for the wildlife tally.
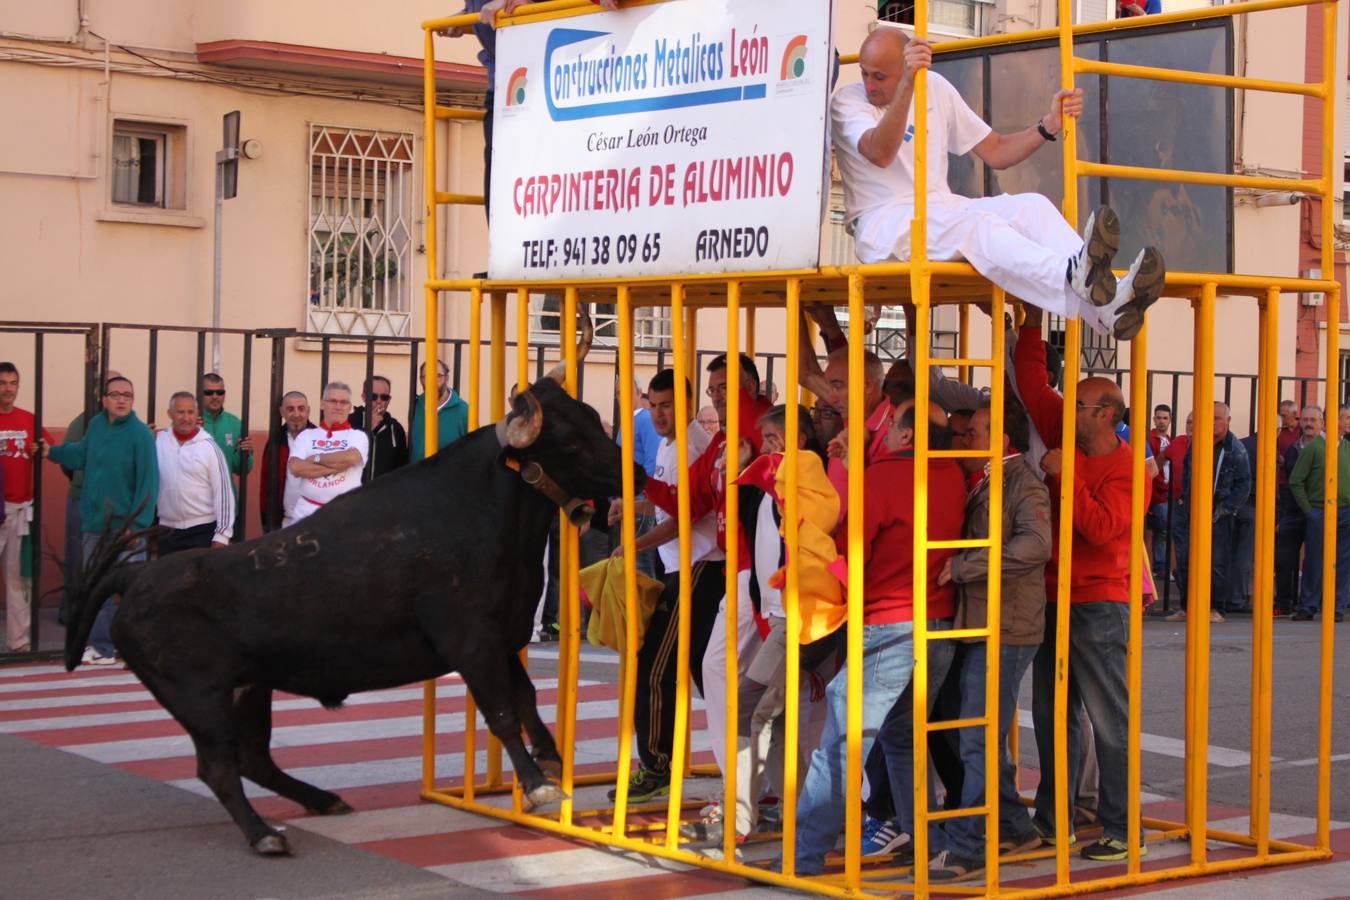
(675, 138)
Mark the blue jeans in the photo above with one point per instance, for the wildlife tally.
(965, 836)
(897, 736)
(100, 638)
(888, 662)
(1156, 522)
(1310, 596)
(1098, 640)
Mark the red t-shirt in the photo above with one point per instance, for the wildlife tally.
(17, 433)
(888, 537)
(1176, 456)
(1101, 497)
(1159, 441)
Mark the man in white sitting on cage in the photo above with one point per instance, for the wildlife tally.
(1018, 241)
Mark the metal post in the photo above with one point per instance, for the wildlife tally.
(215, 268)
(35, 542)
(245, 457)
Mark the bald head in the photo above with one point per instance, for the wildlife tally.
(1105, 392)
(881, 61)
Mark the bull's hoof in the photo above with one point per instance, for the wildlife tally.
(552, 768)
(271, 845)
(338, 807)
(543, 795)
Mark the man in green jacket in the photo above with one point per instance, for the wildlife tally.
(1307, 484)
(228, 433)
(121, 482)
(452, 414)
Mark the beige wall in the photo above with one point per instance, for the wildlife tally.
(68, 263)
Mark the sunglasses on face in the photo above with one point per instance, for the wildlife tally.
(213, 392)
(385, 398)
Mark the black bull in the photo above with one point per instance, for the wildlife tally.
(431, 569)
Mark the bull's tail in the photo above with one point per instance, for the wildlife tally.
(102, 574)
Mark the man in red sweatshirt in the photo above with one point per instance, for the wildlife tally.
(888, 622)
(1098, 592)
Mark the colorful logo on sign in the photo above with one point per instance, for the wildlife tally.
(794, 59)
(515, 87)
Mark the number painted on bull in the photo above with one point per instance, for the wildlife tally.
(275, 556)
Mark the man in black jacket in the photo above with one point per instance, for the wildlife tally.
(388, 440)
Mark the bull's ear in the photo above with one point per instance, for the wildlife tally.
(559, 372)
(524, 422)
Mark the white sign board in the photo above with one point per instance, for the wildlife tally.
(676, 138)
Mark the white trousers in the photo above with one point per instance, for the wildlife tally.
(1020, 242)
(18, 609)
(715, 665)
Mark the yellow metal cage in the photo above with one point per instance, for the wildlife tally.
(923, 283)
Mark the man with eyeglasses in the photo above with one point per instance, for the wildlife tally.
(452, 413)
(121, 482)
(228, 432)
(388, 441)
(278, 489)
(329, 458)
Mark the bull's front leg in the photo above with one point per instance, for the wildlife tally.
(526, 705)
(488, 677)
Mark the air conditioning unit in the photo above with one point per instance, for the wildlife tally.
(1312, 298)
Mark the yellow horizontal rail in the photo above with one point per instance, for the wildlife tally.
(939, 815)
(960, 454)
(458, 112)
(1145, 173)
(459, 199)
(531, 11)
(962, 544)
(463, 21)
(959, 361)
(954, 724)
(958, 634)
(1123, 70)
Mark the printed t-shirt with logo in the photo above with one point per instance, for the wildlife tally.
(316, 492)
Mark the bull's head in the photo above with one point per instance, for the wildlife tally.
(559, 444)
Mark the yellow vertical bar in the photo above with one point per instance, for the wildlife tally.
(963, 341)
(1134, 670)
(1264, 601)
(856, 415)
(679, 756)
(497, 409)
(1192, 580)
(750, 334)
(1064, 792)
(1330, 74)
(523, 337)
(1202, 517)
(691, 346)
(994, 644)
(628, 676)
(1260, 463)
(791, 597)
(432, 316)
(569, 609)
(733, 530)
(920, 280)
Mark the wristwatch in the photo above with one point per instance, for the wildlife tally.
(1040, 126)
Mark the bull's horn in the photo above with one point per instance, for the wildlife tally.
(559, 372)
(522, 429)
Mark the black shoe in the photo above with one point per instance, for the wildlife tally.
(644, 785)
(947, 867)
(1340, 617)
(1302, 616)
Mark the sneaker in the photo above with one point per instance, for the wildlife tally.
(98, 659)
(1018, 843)
(1137, 291)
(1047, 835)
(1216, 616)
(1178, 616)
(702, 832)
(885, 839)
(644, 785)
(1089, 273)
(1107, 849)
(948, 867)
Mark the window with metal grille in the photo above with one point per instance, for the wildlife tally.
(651, 324)
(945, 16)
(360, 231)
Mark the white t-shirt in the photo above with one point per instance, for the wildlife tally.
(768, 550)
(703, 536)
(291, 490)
(873, 195)
(315, 492)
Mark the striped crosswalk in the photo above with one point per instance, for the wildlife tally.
(371, 752)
